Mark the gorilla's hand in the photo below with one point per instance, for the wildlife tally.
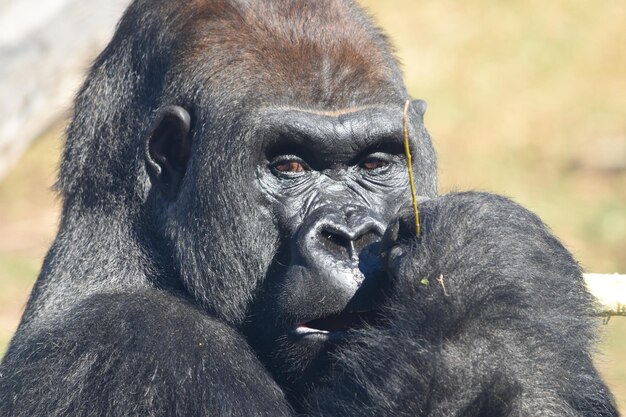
(482, 251)
(478, 303)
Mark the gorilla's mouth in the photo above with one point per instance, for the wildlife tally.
(340, 322)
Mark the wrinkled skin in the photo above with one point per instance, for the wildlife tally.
(236, 240)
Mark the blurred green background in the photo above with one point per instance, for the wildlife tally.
(526, 99)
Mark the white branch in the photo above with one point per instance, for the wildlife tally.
(610, 290)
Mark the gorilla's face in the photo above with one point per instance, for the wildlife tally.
(328, 184)
(332, 182)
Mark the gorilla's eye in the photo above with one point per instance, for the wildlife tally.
(374, 162)
(288, 165)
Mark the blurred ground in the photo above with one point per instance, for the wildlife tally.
(527, 99)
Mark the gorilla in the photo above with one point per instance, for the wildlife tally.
(236, 240)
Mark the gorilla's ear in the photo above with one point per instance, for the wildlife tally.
(167, 149)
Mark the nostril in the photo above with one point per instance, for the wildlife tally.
(365, 240)
(336, 242)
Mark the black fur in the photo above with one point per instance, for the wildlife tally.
(177, 294)
(495, 321)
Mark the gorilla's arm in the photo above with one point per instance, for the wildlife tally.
(488, 317)
(139, 354)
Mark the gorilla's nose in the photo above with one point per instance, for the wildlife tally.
(348, 237)
(337, 249)
(338, 243)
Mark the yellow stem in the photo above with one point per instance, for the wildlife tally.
(407, 151)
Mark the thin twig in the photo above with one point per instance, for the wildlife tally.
(443, 285)
(407, 151)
